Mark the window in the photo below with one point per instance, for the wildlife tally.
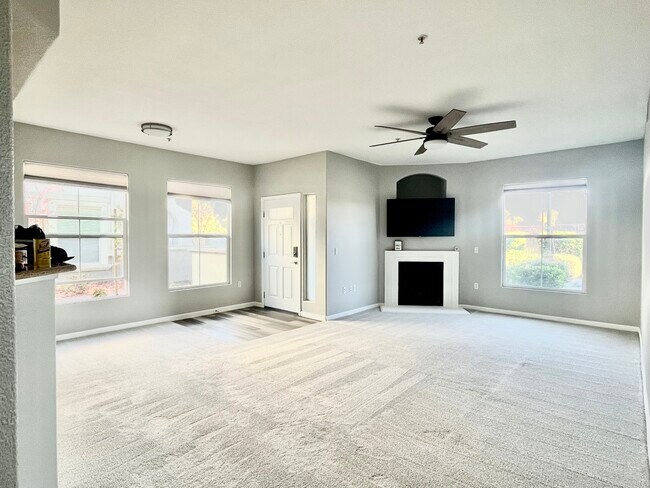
(85, 213)
(309, 256)
(198, 235)
(544, 236)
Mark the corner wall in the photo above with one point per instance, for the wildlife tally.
(148, 169)
(352, 233)
(8, 460)
(613, 248)
(645, 274)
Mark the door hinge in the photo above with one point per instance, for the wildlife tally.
(263, 254)
(263, 215)
(263, 294)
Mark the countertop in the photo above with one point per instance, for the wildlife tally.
(38, 273)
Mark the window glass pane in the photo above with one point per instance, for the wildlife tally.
(310, 247)
(213, 261)
(183, 262)
(179, 215)
(71, 246)
(50, 198)
(102, 227)
(102, 202)
(523, 262)
(213, 216)
(57, 226)
(524, 212)
(101, 258)
(93, 290)
(562, 263)
(195, 260)
(568, 212)
(101, 262)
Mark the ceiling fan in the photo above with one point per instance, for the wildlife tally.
(442, 132)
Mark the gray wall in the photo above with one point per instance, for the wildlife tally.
(613, 248)
(148, 170)
(304, 174)
(8, 470)
(352, 229)
(645, 285)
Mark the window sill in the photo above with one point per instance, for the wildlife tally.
(198, 287)
(547, 290)
(69, 301)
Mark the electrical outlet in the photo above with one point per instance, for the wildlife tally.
(476, 250)
(345, 290)
(239, 284)
(476, 286)
(336, 251)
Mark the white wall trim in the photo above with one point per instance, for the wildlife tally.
(312, 316)
(142, 323)
(352, 312)
(552, 318)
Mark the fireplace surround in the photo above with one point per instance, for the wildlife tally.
(431, 279)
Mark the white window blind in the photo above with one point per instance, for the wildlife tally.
(68, 174)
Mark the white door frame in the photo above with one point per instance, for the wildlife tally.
(262, 240)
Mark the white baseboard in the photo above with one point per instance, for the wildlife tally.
(312, 316)
(347, 313)
(552, 318)
(142, 323)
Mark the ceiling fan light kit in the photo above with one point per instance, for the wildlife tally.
(434, 143)
(442, 132)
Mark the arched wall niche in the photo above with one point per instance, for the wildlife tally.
(422, 186)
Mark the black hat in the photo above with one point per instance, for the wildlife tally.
(59, 256)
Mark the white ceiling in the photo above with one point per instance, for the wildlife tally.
(254, 81)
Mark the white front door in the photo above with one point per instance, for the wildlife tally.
(281, 252)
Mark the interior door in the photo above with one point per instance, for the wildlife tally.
(281, 252)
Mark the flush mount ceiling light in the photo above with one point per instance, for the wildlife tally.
(154, 129)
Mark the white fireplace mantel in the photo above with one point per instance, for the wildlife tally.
(450, 280)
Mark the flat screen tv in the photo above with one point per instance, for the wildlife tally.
(421, 217)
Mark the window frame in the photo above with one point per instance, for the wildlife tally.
(548, 187)
(228, 238)
(124, 236)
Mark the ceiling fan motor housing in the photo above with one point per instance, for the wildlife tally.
(435, 119)
(432, 135)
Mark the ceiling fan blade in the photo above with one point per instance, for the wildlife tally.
(420, 150)
(466, 141)
(403, 130)
(448, 121)
(397, 142)
(479, 129)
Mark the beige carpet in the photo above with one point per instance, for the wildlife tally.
(380, 400)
